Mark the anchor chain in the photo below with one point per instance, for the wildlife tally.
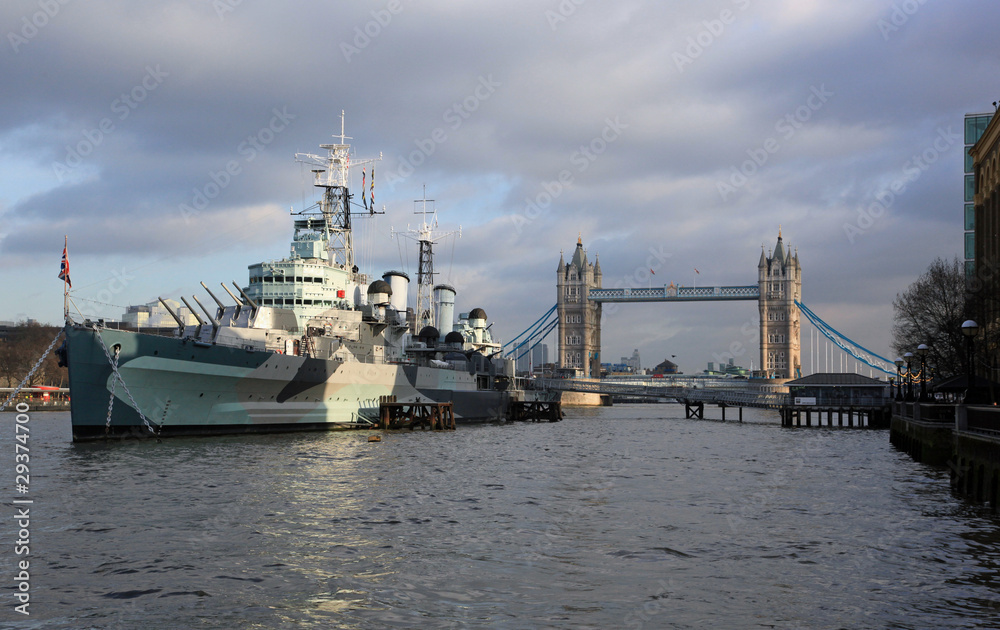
(31, 373)
(118, 377)
(114, 383)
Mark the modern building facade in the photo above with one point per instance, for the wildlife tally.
(633, 362)
(975, 125)
(985, 156)
(579, 318)
(780, 279)
(154, 315)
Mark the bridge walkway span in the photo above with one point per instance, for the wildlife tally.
(724, 392)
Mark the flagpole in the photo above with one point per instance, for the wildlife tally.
(65, 279)
(64, 275)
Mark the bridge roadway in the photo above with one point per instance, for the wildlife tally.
(718, 391)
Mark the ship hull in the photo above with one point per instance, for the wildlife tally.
(184, 387)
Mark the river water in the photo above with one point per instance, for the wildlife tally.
(622, 517)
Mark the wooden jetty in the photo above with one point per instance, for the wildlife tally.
(874, 416)
(534, 411)
(696, 410)
(426, 415)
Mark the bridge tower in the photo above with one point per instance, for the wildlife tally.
(579, 318)
(780, 279)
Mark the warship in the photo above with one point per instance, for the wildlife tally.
(310, 343)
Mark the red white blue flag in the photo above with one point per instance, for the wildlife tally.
(64, 267)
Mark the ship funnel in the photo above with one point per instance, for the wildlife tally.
(400, 283)
(444, 308)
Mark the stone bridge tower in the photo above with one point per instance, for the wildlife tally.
(579, 318)
(780, 279)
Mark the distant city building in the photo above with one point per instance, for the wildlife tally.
(540, 354)
(616, 369)
(633, 361)
(579, 318)
(153, 315)
(666, 367)
(975, 125)
(726, 370)
(780, 279)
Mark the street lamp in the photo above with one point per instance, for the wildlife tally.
(909, 375)
(922, 351)
(899, 378)
(970, 329)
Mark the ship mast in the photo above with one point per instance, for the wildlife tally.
(335, 202)
(426, 236)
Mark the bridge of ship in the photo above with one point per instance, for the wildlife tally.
(673, 293)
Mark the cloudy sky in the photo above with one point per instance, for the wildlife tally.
(685, 134)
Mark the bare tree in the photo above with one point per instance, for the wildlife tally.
(23, 347)
(931, 311)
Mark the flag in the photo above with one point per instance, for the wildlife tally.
(363, 200)
(652, 272)
(372, 208)
(64, 267)
(696, 271)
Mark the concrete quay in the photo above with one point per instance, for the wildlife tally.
(965, 438)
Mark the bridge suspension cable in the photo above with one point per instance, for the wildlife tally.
(540, 337)
(533, 333)
(849, 346)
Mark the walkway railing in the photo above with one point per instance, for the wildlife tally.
(673, 293)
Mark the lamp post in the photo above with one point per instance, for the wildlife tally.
(908, 357)
(899, 378)
(970, 329)
(922, 351)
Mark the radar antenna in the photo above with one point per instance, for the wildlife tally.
(426, 236)
(334, 207)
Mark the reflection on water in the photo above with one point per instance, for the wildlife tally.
(617, 517)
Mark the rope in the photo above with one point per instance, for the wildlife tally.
(118, 376)
(451, 263)
(32, 372)
(83, 299)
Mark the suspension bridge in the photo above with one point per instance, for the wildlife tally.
(576, 317)
(521, 346)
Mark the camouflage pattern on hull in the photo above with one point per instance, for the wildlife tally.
(185, 387)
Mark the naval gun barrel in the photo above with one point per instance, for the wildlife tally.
(215, 322)
(222, 307)
(173, 314)
(235, 299)
(192, 311)
(245, 296)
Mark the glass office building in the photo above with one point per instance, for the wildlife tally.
(975, 125)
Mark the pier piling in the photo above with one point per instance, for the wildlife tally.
(431, 415)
